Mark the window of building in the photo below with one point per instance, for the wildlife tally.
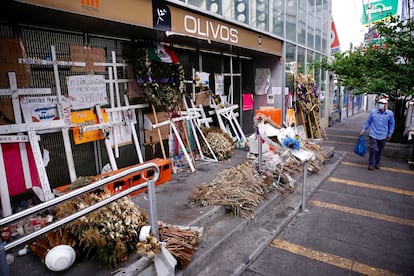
(311, 24)
(278, 18)
(262, 15)
(301, 60)
(302, 14)
(291, 17)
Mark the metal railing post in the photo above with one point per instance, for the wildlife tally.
(150, 183)
(4, 266)
(305, 172)
(153, 208)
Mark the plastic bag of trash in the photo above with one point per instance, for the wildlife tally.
(360, 147)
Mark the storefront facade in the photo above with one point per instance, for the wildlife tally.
(235, 39)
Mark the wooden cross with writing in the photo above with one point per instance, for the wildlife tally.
(20, 138)
(62, 114)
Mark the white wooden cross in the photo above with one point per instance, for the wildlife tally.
(177, 135)
(30, 128)
(113, 80)
(19, 138)
(227, 112)
(65, 130)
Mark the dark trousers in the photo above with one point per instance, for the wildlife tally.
(375, 151)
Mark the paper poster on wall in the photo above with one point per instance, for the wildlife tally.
(277, 91)
(270, 98)
(219, 84)
(44, 108)
(262, 81)
(86, 91)
(202, 80)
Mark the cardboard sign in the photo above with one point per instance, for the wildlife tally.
(89, 56)
(87, 117)
(151, 136)
(10, 51)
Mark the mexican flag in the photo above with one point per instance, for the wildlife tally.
(162, 53)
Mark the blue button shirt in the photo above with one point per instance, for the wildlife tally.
(381, 124)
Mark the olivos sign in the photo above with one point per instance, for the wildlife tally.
(169, 18)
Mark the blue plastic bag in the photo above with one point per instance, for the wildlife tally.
(361, 147)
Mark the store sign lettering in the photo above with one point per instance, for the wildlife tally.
(209, 29)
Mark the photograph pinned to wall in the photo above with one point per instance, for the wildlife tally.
(262, 81)
(86, 91)
(44, 108)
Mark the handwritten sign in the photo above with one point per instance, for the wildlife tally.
(43, 109)
(86, 91)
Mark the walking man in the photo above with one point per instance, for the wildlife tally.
(381, 124)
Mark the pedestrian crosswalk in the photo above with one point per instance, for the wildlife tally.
(327, 258)
(371, 186)
(389, 169)
(328, 203)
(361, 212)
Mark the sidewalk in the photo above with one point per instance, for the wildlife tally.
(228, 244)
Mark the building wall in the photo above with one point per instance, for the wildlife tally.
(271, 33)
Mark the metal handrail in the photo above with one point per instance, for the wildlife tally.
(150, 183)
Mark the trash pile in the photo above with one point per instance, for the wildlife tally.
(240, 189)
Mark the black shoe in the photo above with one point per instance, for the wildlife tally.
(370, 168)
(377, 167)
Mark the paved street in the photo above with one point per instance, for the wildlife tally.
(358, 222)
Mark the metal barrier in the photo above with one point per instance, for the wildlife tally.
(150, 183)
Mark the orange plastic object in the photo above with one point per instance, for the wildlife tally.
(87, 117)
(133, 179)
(274, 113)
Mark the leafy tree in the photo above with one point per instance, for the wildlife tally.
(382, 66)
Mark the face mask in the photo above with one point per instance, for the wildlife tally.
(381, 106)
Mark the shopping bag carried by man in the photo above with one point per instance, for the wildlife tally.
(361, 147)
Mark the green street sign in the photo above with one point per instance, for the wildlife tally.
(378, 10)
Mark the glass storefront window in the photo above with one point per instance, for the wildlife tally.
(318, 25)
(326, 26)
(309, 60)
(302, 14)
(301, 60)
(311, 23)
(290, 65)
(291, 16)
